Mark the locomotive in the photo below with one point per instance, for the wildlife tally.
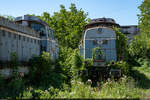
(99, 33)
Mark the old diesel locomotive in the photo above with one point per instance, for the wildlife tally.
(27, 36)
(99, 33)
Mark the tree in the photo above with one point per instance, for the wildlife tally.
(140, 46)
(11, 18)
(67, 25)
(144, 18)
(121, 45)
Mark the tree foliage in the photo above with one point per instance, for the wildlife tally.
(144, 18)
(140, 46)
(121, 45)
(96, 53)
(67, 24)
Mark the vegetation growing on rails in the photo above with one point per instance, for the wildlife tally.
(124, 88)
(62, 78)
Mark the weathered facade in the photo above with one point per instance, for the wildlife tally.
(28, 36)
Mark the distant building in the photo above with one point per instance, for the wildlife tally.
(28, 36)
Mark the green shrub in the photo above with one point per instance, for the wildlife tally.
(137, 48)
(14, 60)
(96, 53)
(125, 88)
(41, 69)
(124, 66)
(77, 90)
(65, 57)
(77, 63)
(121, 45)
(15, 85)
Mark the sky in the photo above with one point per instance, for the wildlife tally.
(123, 11)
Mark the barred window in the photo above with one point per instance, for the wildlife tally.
(19, 37)
(24, 38)
(14, 36)
(38, 41)
(9, 34)
(27, 39)
(95, 42)
(105, 42)
(3, 32)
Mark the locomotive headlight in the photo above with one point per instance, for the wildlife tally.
(100, 30)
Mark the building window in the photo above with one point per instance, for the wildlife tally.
(105, 42)
(38, 41)
(35, 41)
(3, 33)
(12, 45)
(14, 36)
(31, 40)
(94, 42)
(9, 34)
(27, 39)
(19, 37)
(24, 38)
(1, 43)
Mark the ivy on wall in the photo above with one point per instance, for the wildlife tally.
(96, 53)
(121, 45)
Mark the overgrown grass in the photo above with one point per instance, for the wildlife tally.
(124, 88)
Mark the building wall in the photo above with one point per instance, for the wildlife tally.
(106, 39)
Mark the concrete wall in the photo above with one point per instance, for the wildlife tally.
(105, 39)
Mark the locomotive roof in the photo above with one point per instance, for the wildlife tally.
(31, 18)
(102, 22)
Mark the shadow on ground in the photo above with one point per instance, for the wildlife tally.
(141, 79)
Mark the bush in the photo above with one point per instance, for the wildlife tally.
(121, 45)
(77, 63)
(14, 60)
(65, 56)
(137, 48)
(96, 53)
(124, 66)
(124, 88)
(42, 71)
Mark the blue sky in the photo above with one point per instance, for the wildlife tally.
(123, 11)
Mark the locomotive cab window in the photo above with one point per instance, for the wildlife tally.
(105, 42)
